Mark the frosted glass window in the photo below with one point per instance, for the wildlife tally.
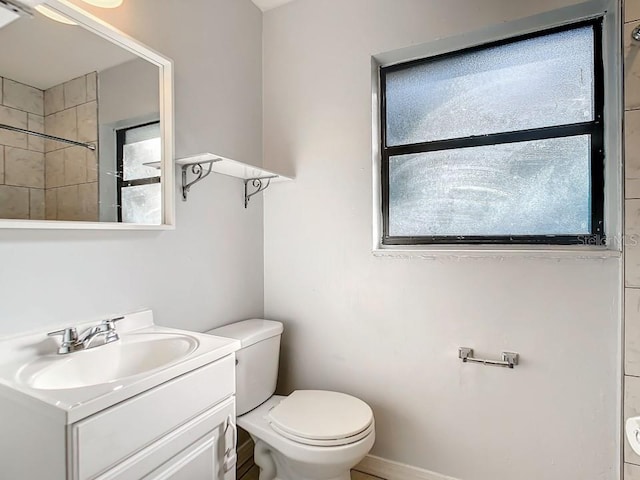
(529, 188)
(142, 145)
(500, 144)
(142, 204)
(537, 82)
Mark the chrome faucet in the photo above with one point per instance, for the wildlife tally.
(71, 342)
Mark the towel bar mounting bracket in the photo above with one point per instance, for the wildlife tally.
(509, 359)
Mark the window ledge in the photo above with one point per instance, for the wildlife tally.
(490, 251)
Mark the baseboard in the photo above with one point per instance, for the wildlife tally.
(389, 470)
(371, 465)
(245, 452)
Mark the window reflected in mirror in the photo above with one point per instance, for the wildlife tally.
(139, 193)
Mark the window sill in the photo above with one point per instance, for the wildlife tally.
(493, 251)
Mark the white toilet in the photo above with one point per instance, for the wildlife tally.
(309, 435)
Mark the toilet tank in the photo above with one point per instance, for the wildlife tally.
(256, 361)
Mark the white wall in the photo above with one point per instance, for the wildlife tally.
(128, 91)
(388, 330)
(208, 271)
(128, 95)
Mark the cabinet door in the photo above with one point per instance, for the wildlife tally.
(198, 462)
(107, 439)
(206, 459)
(202, 449)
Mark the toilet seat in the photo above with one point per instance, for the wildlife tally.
(335, 442)
(321, 418)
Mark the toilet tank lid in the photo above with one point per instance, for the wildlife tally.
(249, 331)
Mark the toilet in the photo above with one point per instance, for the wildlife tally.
(308, 435)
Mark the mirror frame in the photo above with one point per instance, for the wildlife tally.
(165, 65)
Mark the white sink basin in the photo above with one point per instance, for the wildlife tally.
(132, 355)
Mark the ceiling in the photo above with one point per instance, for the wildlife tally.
(265, 5)
(45, 53)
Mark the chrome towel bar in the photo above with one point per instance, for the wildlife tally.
(509, 359)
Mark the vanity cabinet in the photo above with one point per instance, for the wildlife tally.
(191, 414)
(182, 429)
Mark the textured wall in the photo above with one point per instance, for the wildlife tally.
(71, 172)
(22, 162)
(632, 229)
(388, 329)
(209, 270)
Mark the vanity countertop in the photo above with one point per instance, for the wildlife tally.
(21, 355)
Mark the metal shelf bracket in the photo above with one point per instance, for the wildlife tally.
(258, 185)
(197, 169)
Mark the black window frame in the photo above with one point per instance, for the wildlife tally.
(594, 128)
(121, 137)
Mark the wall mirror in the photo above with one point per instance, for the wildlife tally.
(86, 125)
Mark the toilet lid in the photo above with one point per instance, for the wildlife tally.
(318, 417)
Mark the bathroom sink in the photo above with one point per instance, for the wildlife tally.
(132, 355)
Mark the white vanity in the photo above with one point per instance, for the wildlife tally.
(157, 404)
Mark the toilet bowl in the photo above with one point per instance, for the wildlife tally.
(308, 435)
(289, 459)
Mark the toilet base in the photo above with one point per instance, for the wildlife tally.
(275, 466)
(342, 477)
(346, 476)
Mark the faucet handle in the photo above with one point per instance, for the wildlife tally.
(111, 322)
(69, 340)
(69, 335)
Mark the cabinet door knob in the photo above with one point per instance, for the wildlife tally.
(230, 457)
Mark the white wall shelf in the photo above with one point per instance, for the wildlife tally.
(200, 166)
